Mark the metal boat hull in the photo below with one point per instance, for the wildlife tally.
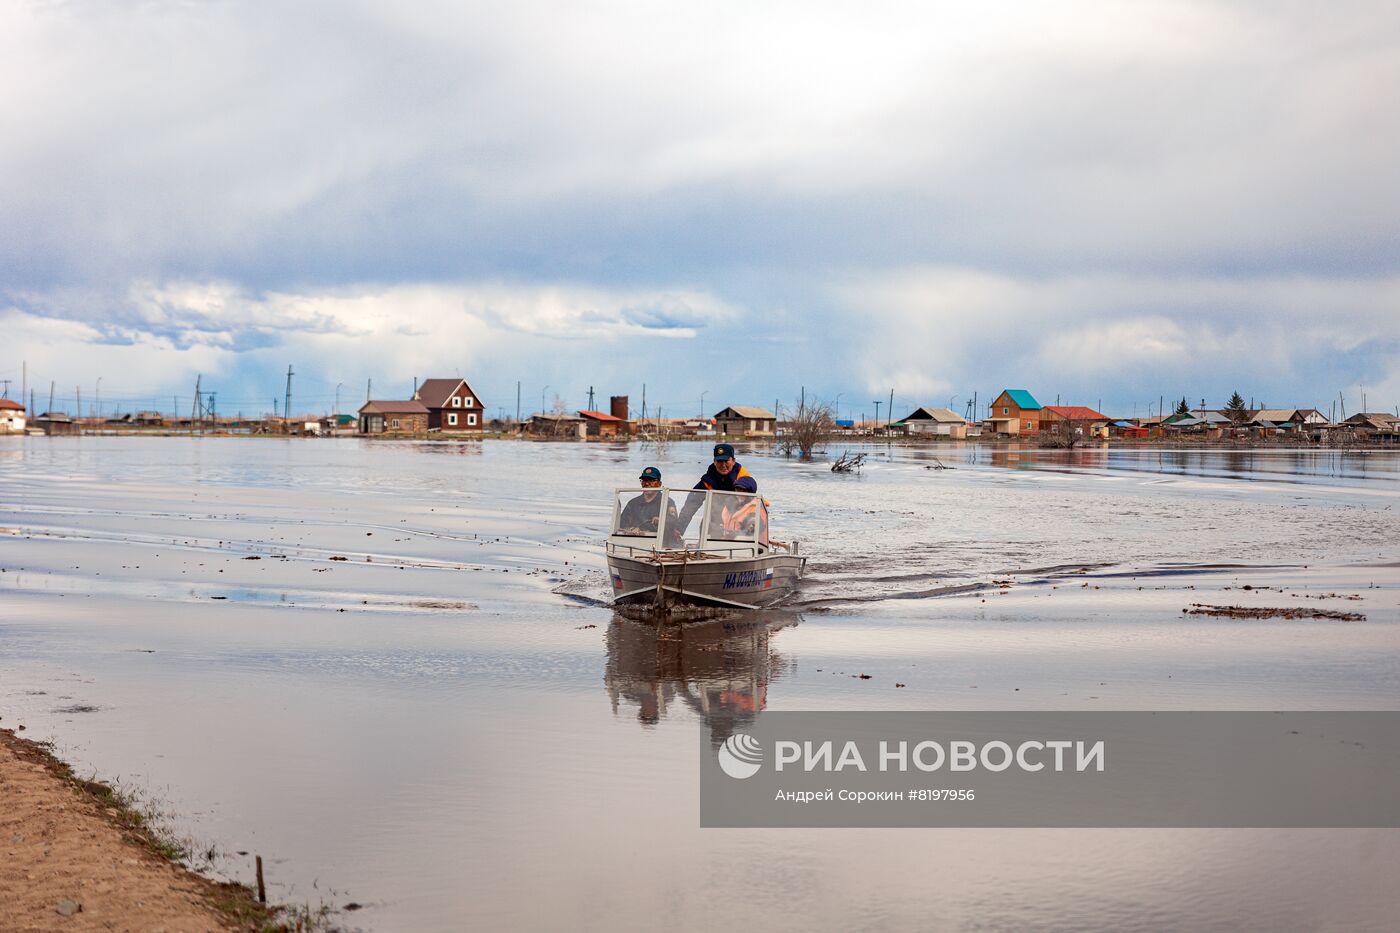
(744, 582)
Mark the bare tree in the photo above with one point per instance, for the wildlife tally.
(807, 426)
(1067, 434)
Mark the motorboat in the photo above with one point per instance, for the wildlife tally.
(714, 550)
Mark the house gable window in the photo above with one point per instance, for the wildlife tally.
(1006, 411)
(468, 402)
(456, 401)
(452, 416)
(471, 418)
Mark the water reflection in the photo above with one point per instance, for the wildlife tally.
(1295, 465)
(720, 669)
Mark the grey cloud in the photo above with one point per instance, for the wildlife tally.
(754, 153)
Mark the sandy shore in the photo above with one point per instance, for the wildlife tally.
(73, 861)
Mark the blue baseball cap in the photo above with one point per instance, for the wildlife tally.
(651, 473)
(724, 451)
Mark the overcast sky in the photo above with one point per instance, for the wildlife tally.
(1100, 202)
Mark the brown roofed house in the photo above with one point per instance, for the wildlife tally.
(737, 420)
(396, 416)
(451, 405)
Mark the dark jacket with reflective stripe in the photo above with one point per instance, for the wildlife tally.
(738, 480)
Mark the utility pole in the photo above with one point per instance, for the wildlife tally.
(24, 386)
(6, 393)
(644, 401)
(517, 401)
(79, 414)
(702, 405)
(337, 398)
(50, 395)
(802, 401)
(878, 403)
(287, 402)
(369, 387)
(590, 398)
(194, 409)
(542, 394)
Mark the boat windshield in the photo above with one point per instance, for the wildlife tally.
(737, 516)
(648, 515)
(658, 518)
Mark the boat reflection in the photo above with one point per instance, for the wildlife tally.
(718, 668)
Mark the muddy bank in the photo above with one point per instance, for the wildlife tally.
(74, 857)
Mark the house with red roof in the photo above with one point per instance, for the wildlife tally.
(1075, 419)
(12, 419)
(602, 424)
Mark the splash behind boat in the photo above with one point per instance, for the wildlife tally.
(723, 556)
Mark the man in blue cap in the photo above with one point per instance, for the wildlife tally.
(725, 474)
(643, 513)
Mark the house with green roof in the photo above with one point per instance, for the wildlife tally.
(1014, 412)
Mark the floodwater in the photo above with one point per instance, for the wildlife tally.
(450, 727)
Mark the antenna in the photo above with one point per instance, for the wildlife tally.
(287, 402)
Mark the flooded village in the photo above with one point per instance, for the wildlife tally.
(376, 675)
(791, 467)
(449, 407)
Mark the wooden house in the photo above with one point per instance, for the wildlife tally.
(602, 424)
(935, 422)
(742, 420)
(56, 422)
(1015, 412)
(398, 416)
(452, 405)
(1077, 419)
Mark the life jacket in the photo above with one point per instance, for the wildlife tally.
(734, 521)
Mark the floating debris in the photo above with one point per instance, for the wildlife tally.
(1291, 612)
